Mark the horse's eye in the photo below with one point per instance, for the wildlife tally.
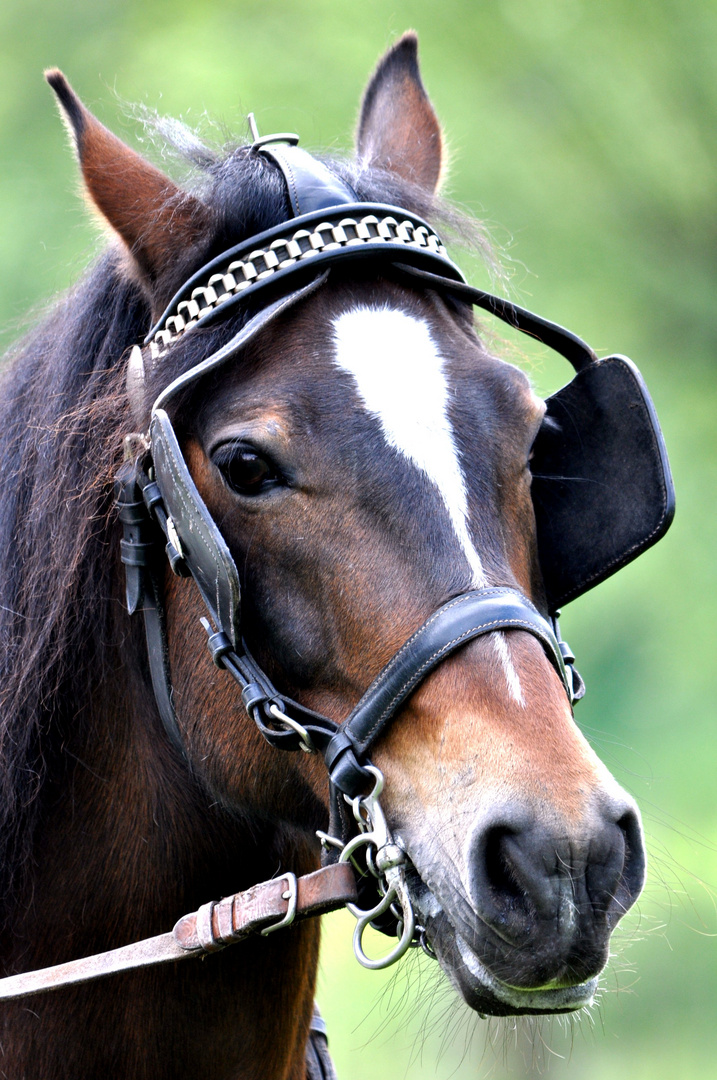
(244, 470)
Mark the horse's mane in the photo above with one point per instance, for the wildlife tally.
(63, 412)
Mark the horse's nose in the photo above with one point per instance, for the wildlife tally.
(537, 884)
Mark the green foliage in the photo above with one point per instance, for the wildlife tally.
(585, 134)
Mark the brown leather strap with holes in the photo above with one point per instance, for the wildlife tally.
(264, 907)
(214, 926)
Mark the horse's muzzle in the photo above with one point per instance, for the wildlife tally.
(533, 933)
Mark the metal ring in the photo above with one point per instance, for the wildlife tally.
(365, 917)
(425, 943)
(306, 744)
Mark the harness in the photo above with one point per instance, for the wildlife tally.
(602, 493)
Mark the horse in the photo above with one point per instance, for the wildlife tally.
(340, 471)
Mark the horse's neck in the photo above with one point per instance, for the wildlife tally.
(127, 844)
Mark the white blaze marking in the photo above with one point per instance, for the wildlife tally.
(400, 377)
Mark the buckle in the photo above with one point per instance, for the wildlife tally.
(290, 894)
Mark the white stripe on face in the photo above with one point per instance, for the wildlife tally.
(400, 377)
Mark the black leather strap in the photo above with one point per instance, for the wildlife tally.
(556, 337)
(462, 619)
(459, 621)
(138, 500)
(319, 1065)
(311, 186)
(156, 636)
(241, 339)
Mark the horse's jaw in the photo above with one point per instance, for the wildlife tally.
(480, 988)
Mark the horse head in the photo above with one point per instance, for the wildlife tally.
(366, 461)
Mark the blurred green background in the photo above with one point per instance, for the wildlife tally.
(584, 134)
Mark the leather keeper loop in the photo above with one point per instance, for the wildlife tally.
(338, 745)
(151, 494)
(345, 771)
(138, 554)
(567, 652)
(176, 561)
(252, 695)
(205, 930)
(132, 513)
(219, 645)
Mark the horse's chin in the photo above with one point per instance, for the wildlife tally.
(484, 992)
(480, 987)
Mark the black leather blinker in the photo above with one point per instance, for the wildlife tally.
(203, 546)
(602, 489)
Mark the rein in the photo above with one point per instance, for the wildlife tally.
(262, 909)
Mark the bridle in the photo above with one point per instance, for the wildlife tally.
(163, 513)
(155, 487)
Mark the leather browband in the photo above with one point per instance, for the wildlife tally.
(291, 250)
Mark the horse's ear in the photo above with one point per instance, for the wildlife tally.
(147, 209)
(398, 130)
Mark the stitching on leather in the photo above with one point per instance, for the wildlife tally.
(474, 631)
(196, 518)
(291, 182)
(465, 598)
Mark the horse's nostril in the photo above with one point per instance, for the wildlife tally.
(500, 875)
(534, 882)
(504, 882)
(631, 876)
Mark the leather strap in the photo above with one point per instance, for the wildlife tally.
(240, 340)
(138, 497)
(319, 1065)
(157, 652)
(465, 617)
(556, 337)
(310, 185)
(468, 616)
(217, 925)
(227, 921)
